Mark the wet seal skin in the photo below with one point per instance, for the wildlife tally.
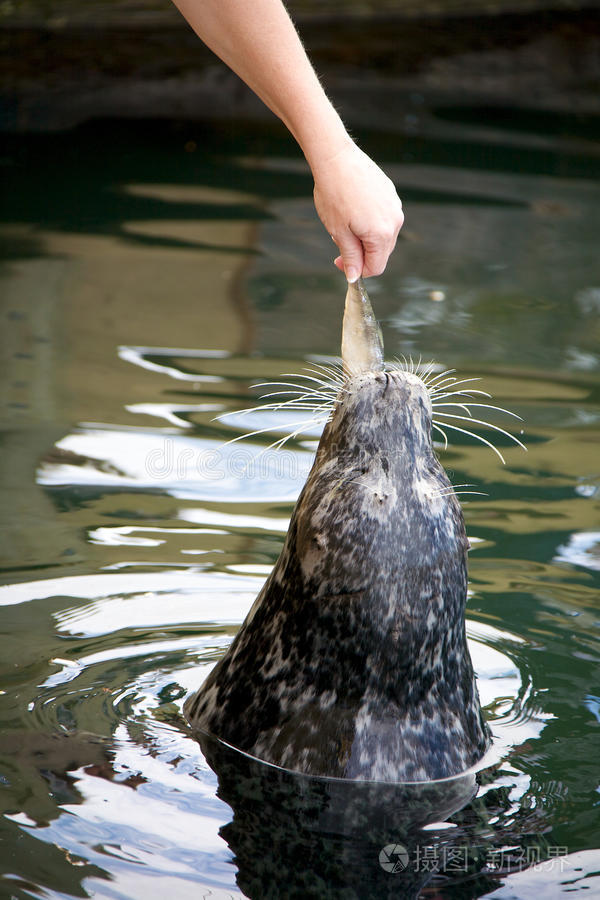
(353, 661)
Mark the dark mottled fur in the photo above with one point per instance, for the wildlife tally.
(353, 660)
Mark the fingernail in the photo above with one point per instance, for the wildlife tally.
(351, 274)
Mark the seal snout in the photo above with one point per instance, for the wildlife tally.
(376, 410)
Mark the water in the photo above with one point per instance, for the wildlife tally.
(153, 273)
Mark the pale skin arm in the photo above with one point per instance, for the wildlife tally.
(355, 200)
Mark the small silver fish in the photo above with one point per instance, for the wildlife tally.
(362, 343)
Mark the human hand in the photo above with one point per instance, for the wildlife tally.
(360, 209)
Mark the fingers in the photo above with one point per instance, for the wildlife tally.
(351, 255)
(378, 248)
(368, 240)
(369, 256)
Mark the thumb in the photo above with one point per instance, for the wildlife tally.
(351, 251)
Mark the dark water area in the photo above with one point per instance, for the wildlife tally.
(153, 272)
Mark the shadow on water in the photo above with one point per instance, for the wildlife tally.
(299, 836)
(46, 176)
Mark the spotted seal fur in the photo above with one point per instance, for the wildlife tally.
(353, 660)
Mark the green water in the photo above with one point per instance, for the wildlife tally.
(152, 273)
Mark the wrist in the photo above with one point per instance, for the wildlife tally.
(322, 138)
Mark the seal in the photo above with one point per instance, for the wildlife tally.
(353, 661)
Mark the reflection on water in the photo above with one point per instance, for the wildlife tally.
(147, 289)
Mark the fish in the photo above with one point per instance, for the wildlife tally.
(362, 341)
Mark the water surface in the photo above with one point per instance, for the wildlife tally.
(153, 273)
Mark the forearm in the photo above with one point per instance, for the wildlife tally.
(355, 200)
(259, 42)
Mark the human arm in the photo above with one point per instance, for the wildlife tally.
(355, 200)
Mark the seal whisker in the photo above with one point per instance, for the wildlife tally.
(452, 384)
(332, 386)
(403, 365)
(312, 399)
(448, 372)
(442, 432)
(317, 399)
(466, 392)
(483, 405)
(460, 493)
(288, 407)
(324, 384)
(474, 493)
(306, 397)
(303, 423)
(402, 362)
(336, 373)
(425, 372)
(477, 437)
(293, 403)
(452, 487)
(452, 380)
(458, 405)
(293, 387)
(279, 443)
(302, 387)
(486, 424)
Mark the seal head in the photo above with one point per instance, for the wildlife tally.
(353, 660)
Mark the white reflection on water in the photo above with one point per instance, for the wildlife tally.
(576, 872)
(583, 549)
(139, 357)
(159, 840)
(181, 466)
(155, 597)
(171, 412)
(228, 520)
